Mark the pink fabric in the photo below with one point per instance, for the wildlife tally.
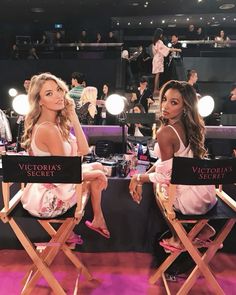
(50, 199)
(159, 52)
(197, 199)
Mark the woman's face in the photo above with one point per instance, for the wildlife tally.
(194, 77)
(52, 96)
(137, 110)
(105, 89)
(172, 104)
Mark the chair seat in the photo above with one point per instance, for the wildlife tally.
(219, 211)
(19, 211)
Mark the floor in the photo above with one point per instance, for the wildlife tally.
(114, 273)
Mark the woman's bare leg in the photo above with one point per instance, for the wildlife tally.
(156, 82)
(96, 194)
(97, 182)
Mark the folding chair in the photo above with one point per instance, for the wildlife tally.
(189, 171)
(27, 169)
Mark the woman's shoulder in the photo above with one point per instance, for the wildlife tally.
(46, 128)
(168, 135)
(165, 134)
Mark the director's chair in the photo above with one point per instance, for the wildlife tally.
(187, 171)
(52, 169)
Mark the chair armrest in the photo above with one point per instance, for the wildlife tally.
(12, 204)
(226, 198)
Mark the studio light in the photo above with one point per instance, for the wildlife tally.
(206, 105)
(115, 104)
(12, 92)
(20, 104)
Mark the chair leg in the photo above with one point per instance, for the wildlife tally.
(163, 267)
(207, 256)
(171, 258)
(42, 267)
(49, 253)
(71, 256)
(195, 254)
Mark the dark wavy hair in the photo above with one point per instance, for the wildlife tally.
(192, 121)
(157, 35)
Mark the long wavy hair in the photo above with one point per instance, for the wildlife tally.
(32, 117)
(192, 121)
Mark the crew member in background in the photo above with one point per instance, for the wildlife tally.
(78, 84)
(144, 94)
(175, 64)
(192, 78)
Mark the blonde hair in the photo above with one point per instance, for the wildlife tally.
(89, 94)
(32, 117)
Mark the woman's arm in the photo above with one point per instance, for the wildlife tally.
(165, 139)
(82, 144)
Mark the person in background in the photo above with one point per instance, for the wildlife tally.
(88, 108)
(200, 34)
(77, 83)
(111, 38)
(44, 40)
(26, 85)
(83, 38)
(143, 61)
(229, 105)
(32, 54)
(139, 129)
(159, 52)
(222, 40)
(47, 133)
(103, 115)
(59, 38)
(144, 94)
(130, 79)
(191, 33)
(192, 78)
(98, 38)
(15, 53)
(182, 134)
(175, 63)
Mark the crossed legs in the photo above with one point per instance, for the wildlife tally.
(97, 182)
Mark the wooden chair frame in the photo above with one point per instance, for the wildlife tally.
(42, 261)
(165, 203)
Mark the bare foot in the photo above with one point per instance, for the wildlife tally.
(173, 242)
(206, 233)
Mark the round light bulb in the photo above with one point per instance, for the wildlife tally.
(20, 104)
(115, 104)
(206, 105)
(12, 92)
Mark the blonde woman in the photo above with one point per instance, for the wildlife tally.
(47, 133)
(88, 108)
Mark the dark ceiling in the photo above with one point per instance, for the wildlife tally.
(45, 11)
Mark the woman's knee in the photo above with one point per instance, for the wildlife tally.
(97, 166)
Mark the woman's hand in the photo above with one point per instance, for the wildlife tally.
(70, 109)
(135, 189)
